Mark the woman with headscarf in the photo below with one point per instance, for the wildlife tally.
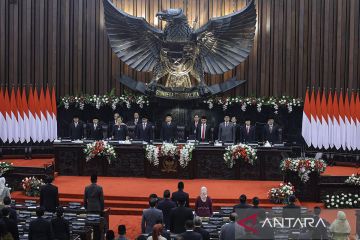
(156, 233)
(340, 227)
(4, 190)
(203, 204)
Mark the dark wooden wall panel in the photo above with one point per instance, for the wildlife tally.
(298, 43)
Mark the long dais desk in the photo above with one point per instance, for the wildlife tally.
(207, 162)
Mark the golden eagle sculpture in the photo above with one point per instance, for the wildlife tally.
(179, 50)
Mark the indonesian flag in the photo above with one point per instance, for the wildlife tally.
(44, 123)
(20, 116)
(306, 120)
(358, 121)
(347, 122)
(324, 120)
(319, 120)
(32, 117)
(353, 121)
(54, 113)
(336, 123)
(14, 117)
(330, 121)
(25, 108)
(8, 115)
(314, 137)
(342, 121)
(37, 116)
(49, 114)
(3, 125)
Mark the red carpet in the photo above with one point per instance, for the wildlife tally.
(38, 163)
(340, 171)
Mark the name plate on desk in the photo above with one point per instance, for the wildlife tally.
(217, 144)
(125, 142)
(77, 141)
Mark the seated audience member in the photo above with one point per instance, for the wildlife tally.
(243, 203)
(120, 131)
(291, 210)
(94, 197)
(95, 130)
(340, 227)
(143, 130)
(320, 231)
(203, 134)
(165, 206)
(49, 195)
(4, 190)
(40, 229)
(247, 132)
(271, 131)
(122, 232)
(263, 231)
(60, 226)
(156, 233)
(10, 224)
(178, 217)
(203, 204)
(180, 194)
(150, 216)
(231, 229)
(76, 129)
(7, 204)
(198, 228)
(190, 234)
(164, 232)
(4, 233)
(110, 235)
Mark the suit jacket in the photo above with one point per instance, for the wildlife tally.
(111, 127)
(144, 134)
(191, 235)
(61, 228)
(95, 133)
(165, 206)
(168, 132)
(76, 132)
(175, 196)
(237, 132)
(178, 217)
(94, 198)
(149, 218)
(207, 133)
(49, 197)
(246, 137)
(12, 227)
(205, 234)
(12, 213)
(291, 211)
(226, 134)
(120, 133)
(273, 136)
(133, 123)
(231, 230)
(40, 229)
(194, 129)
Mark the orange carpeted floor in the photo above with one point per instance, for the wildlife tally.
(340, 171)
(40, 163)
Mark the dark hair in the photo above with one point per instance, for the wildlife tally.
(189, 224)
(122, 229)
(7, 200)
(317, 211)
(256, 201)
(49, 179)
(152, 202)
(59, 212)
(5, 212)
(40, 211)
(156, 232)
(110, 235)
(203, 117)
(197, 221)
(243, 198)
(181, 185)
(93, 178)
(233, 216)
(167, 193)
(292, 199)
(153, 195)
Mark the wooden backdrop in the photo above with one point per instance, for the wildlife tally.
(298, 43)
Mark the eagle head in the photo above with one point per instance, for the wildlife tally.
(171, 14)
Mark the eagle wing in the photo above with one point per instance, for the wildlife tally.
(225, 42)
(132, 39)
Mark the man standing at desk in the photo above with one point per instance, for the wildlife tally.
(168, 130)
(95, 128)
(247, 132)
(204, 131)
(271, 131)
(135, 121)
(194, 128)
(143, 131)
(76, 129)
(226, 130)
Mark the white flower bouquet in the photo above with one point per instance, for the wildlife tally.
(303, 166)
(280, 194)
(343, 200)
(100, 148)
(241, 152)
(354, 179)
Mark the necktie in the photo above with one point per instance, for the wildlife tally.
(144, 126)
(247, 129)
(203, 132)
(270, 128)
(95, 126)
(76, 124)
(226, 124)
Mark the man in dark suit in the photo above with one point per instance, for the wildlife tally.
(76, 129)
(243, 203)
(247, 132)
(113, 123)
(180, 194)
(203, 134)
(143, 131)
(165, 206)
(95, 130)
(11, 225)
(237, 129)
(226, 131)
(194, 128)
(40, 229)
(12, 212)
(168, 130)
(320, 231)
(60, 226)
(198, 228)
(291, 210)
(178, 217)
(271, 131)
(135, 121)
(94, 197)
(232, 230)
(190, 234)
(150, 216)
(49, 195)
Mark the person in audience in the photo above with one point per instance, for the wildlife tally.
(11, 225)
(122, 232)
(231, 229)
(110, 235)
(203, 204)
(291, 210)
(49, 195)
(120, 131)
(340, 228)
(94, 196)
(150, 216)
(40, 229)
(179, 215)
(203, 134)
(243, 203)
(95, 130)
(143, 130)
(156, 233)
(180, 194)
(113, 123)
(263, 231)
(271, 131)
(168, 130)
(198, 228)
(190, 234)
(320, 231)
(226, 131)
(194, 128)
(165, 206)
(4, 190)
(4, 233)
(60, 226)
(255, 208)
(164, 232)
(247, 132)
(237, 129)
(135, 121)
(12, 212)
(76, 129)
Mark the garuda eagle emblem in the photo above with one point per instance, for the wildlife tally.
(179, 50)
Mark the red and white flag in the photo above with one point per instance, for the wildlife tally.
(49, 114)
(32, 116)
(20, 116)
(347, 121)
(14, 117)
(54, 113)
(8, 115)
(358, 121)
(27, 129)
(3, 125)
(306, 120)
(37, 116)
(342, 121)
(324, 130)
(353, 121)
(330, 121)
(43, 119)
(314, 135)
(319, 120)
(336, 123)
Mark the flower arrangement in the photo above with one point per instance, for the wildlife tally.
(354, 179)
(241, 152)
(4, 167)
(100, 148)
(343, 200)
(303, 166)
(184, 152)
(31, 186)
(281, 194)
